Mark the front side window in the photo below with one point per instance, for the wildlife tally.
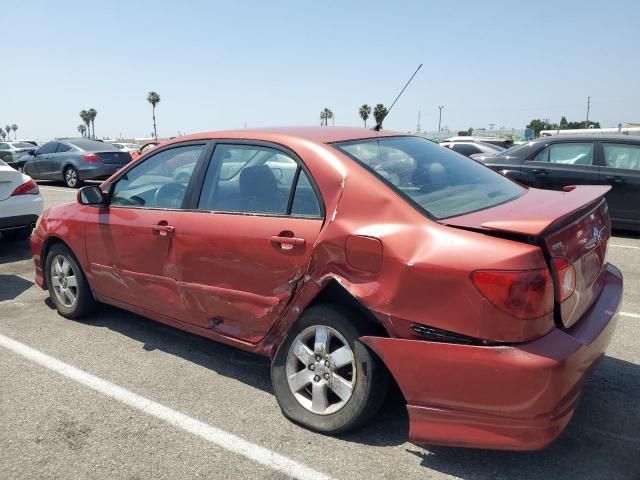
(48, 148)
(158, 182)
(567, 154)
(259, 180)
(63, 148)
(620, 155)
(440, 182)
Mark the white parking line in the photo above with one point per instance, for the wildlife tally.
(630, 315)
(213, 435)
(624, 246)
(55, 189)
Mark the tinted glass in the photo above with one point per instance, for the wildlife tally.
(465, 148)
(440, 182)
(620, 155)
(158, 182)
(305, 201)
(48, 148)
(93, 146)
(248, 179)
(567, 154)
(63, 148)
(4, 146)
(22, 145)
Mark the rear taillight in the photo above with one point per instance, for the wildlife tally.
(525, 294)
(91, 158)
(565, 277)
(28, 188)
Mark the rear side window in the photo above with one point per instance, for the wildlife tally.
(567, 154)
(48, 148)
(438, 181)
(257, 179)
(63, 148)
(620, 155)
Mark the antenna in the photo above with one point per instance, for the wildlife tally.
(379, 124)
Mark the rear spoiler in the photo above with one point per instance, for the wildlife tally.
(532, 213)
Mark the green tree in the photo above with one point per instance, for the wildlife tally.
(82, 129)
(92, 113)
(379, 113)
(563, 123)
(84, 115)
(537, 125)
(14, 127)
(365, 112)
(154, 99)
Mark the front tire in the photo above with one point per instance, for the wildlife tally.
(67, 284)
(324, 378)
(72, 177)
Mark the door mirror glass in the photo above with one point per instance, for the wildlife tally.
(91, 195)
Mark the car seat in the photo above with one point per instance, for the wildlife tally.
(259, 190)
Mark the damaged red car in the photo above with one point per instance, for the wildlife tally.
(353, 258)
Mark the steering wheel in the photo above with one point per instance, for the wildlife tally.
(169, 195)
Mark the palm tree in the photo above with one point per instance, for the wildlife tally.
(93, 113)
(365, 111)
(8, 130)
(14, 127)
(379, 113)
(84, 115)
(82, 129)
(153, 98)
(3, 134)
(325, 116)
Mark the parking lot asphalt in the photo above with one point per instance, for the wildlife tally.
(134, 399)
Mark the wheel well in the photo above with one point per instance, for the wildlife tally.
(46, 246)
(336, 294)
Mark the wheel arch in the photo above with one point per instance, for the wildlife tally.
(47, 244)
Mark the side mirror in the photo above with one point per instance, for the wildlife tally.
(91, 195)
(32, 152)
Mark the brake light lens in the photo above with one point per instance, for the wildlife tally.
(91, 158)
(525, 294)
(28, 188)
(565, 277)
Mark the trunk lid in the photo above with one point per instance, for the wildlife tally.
(573, 225)
(114, 158)
(10, 179)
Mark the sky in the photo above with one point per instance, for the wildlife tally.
(224, 65)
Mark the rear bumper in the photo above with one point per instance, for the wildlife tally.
(19, 221)
(98, 172)
(517, 397)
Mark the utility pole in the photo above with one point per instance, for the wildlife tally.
(440, 116)
(588, 106)
(418, 127)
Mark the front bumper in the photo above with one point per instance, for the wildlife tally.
(517, 397)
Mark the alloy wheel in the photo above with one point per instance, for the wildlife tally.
(63, 281)
(321, 370)
(71, 177)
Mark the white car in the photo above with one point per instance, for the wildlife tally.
(127, 147)
(20, 203)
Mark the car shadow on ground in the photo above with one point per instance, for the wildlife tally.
(14, 250)
(630, 234)
(11, 286)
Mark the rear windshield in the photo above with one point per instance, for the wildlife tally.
(439, 181)
(93, 146)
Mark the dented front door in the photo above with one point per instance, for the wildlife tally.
(237, 272)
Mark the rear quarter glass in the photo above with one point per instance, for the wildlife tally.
(437, 180)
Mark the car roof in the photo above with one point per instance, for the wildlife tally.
(588, 137)
(314, 134)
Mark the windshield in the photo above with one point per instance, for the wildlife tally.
(439, 181)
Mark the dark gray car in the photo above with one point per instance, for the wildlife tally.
(75, 160)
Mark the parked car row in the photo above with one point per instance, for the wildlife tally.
(348, 256)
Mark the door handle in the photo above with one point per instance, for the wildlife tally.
(288, 242)
(163, 230)
(539, 171)
(615, 178)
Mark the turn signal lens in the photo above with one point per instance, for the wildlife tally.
(525, 294)
(565, 277)
(28, 188)
(91, 158)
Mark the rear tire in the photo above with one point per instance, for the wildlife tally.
(67, 284)
(339, 409)
(72, 177)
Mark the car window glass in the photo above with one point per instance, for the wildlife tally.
(305, 200)
(465, 148)
(4, 146)
(618, 155)
(160, 181)
(48, 148)
(63, 148)
(567, 154)
(248, 179)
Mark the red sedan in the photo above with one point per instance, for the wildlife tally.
(348, 256)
